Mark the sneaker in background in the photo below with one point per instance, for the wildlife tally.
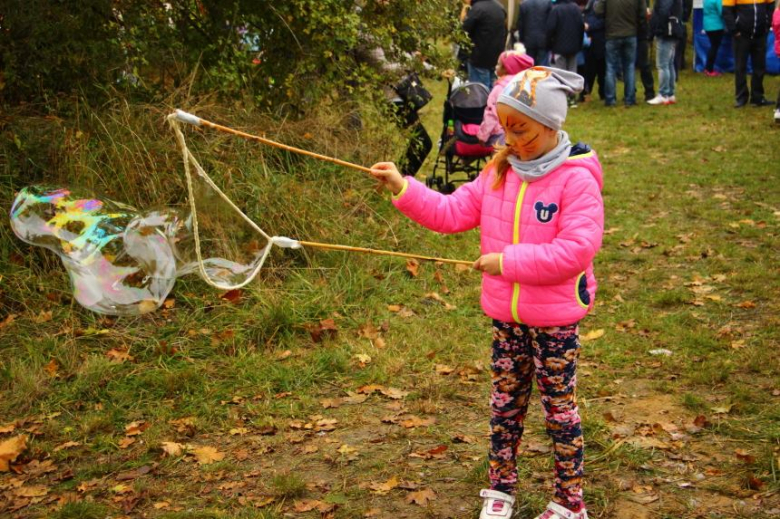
(777, 115)
(657, 100)
(670, 100)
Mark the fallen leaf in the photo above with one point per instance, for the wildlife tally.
(66, 445)
(724, 409)
(125, 442)
(413, 267)
(207, 455)
(746, 304)
(52, 368)
(384, 488)
(10, 449)
(415, 421)
(119, 355)
(421, 497)
(592, 335)
(172, 449)
(7, 321)
(31, 491)
(136, 428)
(394, 393)
(324, 329)
(443, 369)
(744, 456)
(232, 296)
(43, 317)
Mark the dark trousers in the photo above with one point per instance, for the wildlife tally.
(419, 141)
(645, 70)
(679, 53)
(715, 39)
(541, 56)
(755, 49)
(595, 69)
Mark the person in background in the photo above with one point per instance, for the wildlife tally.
(776, 29)
(748, 23)
(485, 23)
(510, 62)
(643, 39)
(666, 24)
(624, 20)
(713, 27)
(682, 42)
(532, 29)
(595, 54)
(565, 30)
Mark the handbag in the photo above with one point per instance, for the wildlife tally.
(412, 92)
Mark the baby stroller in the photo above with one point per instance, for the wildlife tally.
(459, 148)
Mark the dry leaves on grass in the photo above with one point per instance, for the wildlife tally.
(421, 497)
(10, 449)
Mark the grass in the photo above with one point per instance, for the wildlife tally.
(689, 264)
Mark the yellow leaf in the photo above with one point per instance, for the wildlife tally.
(207, 455)
(384, 488)
(421, 497)
(592, 335)
(172, 449)
(10, 449)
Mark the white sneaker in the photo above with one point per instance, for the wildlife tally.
(657, 100)
(670, 100)
(556, 511)
(497, 505)
(777, 115)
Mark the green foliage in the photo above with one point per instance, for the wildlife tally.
(279, 54)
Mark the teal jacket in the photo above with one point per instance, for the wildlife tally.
(713, 15)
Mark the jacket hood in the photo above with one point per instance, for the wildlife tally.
(589, 160)
(514, 62)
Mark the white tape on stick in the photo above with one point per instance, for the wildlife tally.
(187, 117)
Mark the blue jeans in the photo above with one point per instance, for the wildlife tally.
(481, 75)
(664, 61)
(621, 55)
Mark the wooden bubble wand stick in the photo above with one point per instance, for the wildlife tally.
(185, 117)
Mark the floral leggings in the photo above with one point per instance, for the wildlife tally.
(519, 353)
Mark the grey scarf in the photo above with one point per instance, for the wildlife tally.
(533, 170)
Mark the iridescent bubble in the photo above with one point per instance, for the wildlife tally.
(120, 261)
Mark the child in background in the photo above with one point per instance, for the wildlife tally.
(539, 206)
(776, 30)
(510, 62)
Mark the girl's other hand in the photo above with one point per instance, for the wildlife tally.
(388, 175)
(490, 263)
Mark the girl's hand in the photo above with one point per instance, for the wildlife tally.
(388, 175)
(490, 263)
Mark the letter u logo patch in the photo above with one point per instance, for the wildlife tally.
(544, 213)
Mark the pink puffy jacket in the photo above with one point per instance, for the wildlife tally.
(776, 29)
(548, 231)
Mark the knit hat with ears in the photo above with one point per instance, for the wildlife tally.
(542, 93)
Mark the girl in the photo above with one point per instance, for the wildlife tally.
(510, 62)
(539, 205)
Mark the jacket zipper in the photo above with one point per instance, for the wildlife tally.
(515, 241)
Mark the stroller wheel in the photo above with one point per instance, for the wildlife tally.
(430, 182)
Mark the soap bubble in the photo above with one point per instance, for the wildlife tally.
(122, 261)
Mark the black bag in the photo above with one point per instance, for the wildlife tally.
(412, 92)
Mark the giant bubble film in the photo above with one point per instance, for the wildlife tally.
(122, 261)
